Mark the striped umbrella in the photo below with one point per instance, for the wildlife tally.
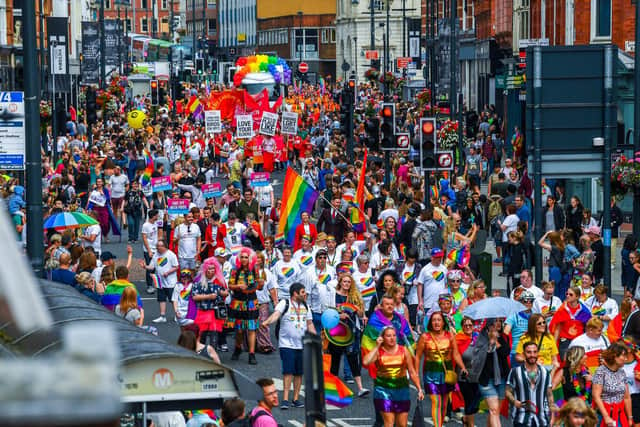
(69, 220)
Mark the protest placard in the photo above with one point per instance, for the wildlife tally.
(268, 123)
(244, 126)
(260, 179)
(213, 121)
(177, 206)
(211, 190)
(289, 125)
(161, 183)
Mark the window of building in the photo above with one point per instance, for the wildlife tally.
(128, 25)
(306, 43)
(164, 25)
(107, 4)
(378, 4)
(165, 4)
(144, 25)
(143, 4)
(328, 36)
(601, 20)
(211, 2)
(212, 26)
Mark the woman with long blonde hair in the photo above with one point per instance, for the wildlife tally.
(576, 413)
(128, 306)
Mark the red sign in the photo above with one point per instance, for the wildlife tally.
(445, 160)
(404, 61)
(371, 54)
(303, 67)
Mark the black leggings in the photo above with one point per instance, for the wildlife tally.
(353, 359)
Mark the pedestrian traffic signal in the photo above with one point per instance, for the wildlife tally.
(372, 127)
(91, 106)
(428, 143)
(388, 115)
(155, 96)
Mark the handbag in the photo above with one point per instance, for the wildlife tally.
(418, 418)
(450, 376)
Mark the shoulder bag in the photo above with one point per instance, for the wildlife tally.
(450, 376)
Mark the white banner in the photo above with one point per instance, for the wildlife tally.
(213, 121)
(58, 59)
(289, 123)
(12, 131)
(268, 123)
(244, 126)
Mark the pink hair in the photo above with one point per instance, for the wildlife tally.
(253, 258)
(218, 275)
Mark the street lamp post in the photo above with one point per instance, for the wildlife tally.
(103, 48)
(636, 120)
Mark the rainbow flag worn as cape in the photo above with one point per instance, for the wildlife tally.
(297, 197)
(336, 392)
(376, 323)
(112, 294)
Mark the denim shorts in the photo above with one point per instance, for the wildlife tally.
(491, 390)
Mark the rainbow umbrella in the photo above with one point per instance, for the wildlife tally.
(69, 220)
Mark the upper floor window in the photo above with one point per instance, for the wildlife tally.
(600, 20)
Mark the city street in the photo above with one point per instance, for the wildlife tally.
(360, 413)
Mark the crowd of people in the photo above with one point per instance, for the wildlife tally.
(401, 284)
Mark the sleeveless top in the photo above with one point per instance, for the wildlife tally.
(392, 368)
(436, 350)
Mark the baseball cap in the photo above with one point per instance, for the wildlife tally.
(220, 252)
(322, 251)
(107, 256)
(436, 253)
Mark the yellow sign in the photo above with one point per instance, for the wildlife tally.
(242, 37)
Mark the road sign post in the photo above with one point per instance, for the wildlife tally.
(402, 141)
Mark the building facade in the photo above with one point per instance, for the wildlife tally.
(237, 28)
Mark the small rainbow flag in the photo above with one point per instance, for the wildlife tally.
(323, 85)
(598, 311)
(298, 197)
(148, 170)
(380, 223)
(434, 192)
(403, 251)
(347, 307)
(336, 392)
(155, 281)
(194, 106)
(368, 292)
(460, 256)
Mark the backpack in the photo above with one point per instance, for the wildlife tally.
(495, 209)
(286, 310)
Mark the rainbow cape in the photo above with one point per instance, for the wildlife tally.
(148, 169)
(297, 197)
(336, 392)
(112, 294)
(376, 323)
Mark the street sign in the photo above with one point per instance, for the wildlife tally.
(501, 81)
(402, 141)
(303, 67)
(12, 130)
(444, 160)
(371, 54)
(403, 61)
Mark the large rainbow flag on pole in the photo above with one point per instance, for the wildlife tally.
(357, 216)
(297, 197)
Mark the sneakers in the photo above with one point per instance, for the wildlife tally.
(297, 403)
(224, 348)
(364, 392)
(236, 354)
(284, 405)
(252, 359)
(160, 319)
(151, 289)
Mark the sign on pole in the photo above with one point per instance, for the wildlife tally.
(58, 59)
(371, 54)
(444, 160)
(303, 67)
(12, 130)
(403, 61)
(268, 123)
(402, 141)
(289, 125)
(244, 126)
(213, 121)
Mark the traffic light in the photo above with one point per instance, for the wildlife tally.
(155, 95)
(372, 127)
(388, 115)
(428, 135)
(200, 66)
(91, 106)
(344, 118)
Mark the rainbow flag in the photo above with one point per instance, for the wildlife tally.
(435, 193)
(336, 392)
(148, 170)
(112, 294)
(593, 360)
(194, 107)
(460, 256)
(347, 307)
(323, 85)
(598, 311)
(376, 323)
(278, 240)
(298, 197)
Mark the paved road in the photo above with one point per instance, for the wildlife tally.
(360, 413)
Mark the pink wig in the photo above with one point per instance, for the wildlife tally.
(253, 258)
(218, 275)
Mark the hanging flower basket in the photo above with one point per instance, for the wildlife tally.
(423, 98)
(387, 78)
(625, 175)
(45, 111)
(448, 136)
(372, 74)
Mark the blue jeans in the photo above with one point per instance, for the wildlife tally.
(133, 222)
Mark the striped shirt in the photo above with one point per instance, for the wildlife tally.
(535, 411)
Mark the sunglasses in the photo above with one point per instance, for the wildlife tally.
(540, 323)
(322, 256)
(568, 294)
(455, 280)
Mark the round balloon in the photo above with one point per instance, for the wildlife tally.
(136, 119)
(330, 318)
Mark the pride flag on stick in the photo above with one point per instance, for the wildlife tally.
(297, 197)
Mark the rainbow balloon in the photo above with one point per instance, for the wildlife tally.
(277, 67)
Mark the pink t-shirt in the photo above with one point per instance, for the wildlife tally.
(403, 173)
(264, 420)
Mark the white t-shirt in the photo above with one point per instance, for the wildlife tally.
(188, 235)
(180, 296)
(263, 195)
(629, 372)
(269, 283)
(286, 274)
(163, 263)
(409, 277)
(151, 231)
(366, 285)
(542, 306)
(233, 239)
(589, 344)
(511, 222)
(608, 308)
(433, 281)
(536, 291)
(293, 324)
(118, 184)
(305, 259)
(94, 230)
